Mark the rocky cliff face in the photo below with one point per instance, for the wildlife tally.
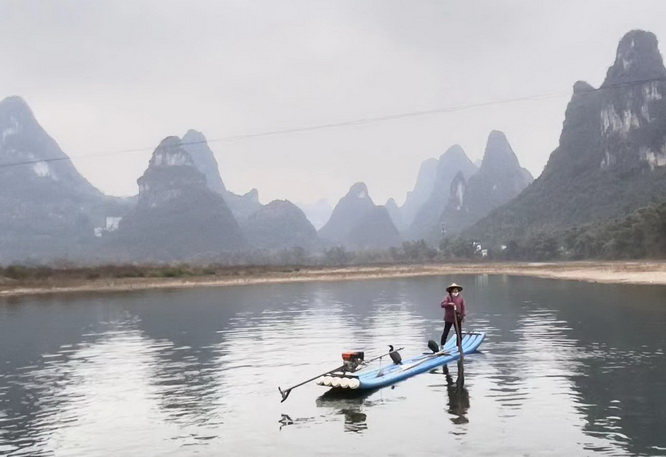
(452, 162)
(457, 195)
(48, 209)
(637, 61)
(612, 152)
(177, 216)
(357, 223)
(280, 225)
(620, 126)
(171, 174)
(632, 106)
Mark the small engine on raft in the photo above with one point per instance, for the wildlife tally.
(352, 360)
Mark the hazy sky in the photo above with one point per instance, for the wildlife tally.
(104, 77)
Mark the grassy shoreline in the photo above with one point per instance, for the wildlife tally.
(115, 279)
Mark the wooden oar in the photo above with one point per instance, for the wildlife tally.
(285, 393)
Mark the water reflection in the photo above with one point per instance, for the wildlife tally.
(350, 405)
(458, 394)
(286, 420)
(355, 420)
(40, 399)
(565, 366)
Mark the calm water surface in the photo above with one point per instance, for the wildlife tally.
(567, 368)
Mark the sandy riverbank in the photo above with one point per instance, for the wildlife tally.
(642, 272)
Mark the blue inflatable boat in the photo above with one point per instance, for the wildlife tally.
(375, 377)
(357, 373)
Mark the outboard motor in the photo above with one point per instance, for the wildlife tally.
(352, 360)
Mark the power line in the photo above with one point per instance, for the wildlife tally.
(355, 122)
(389, 117)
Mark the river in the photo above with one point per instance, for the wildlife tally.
(567, 368)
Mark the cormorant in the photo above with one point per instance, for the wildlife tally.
(395, 355)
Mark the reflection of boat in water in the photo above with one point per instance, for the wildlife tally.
(349, 406)
(374, 378)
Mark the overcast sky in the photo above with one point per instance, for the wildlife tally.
(104, 77)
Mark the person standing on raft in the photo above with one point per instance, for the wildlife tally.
(454, 308)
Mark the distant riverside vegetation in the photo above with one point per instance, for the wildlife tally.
(602, 195)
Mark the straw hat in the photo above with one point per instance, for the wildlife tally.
(453, 286)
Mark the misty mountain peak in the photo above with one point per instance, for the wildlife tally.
(194, 136)
(358, 190)
(15, 115)
(453, 161)
(280, 225)
(170, 171)
(611, 154)
(48, 209)
(582, 87)
(252, 194)
(499, 180)
(177, 216)
(347, 214)
(498, 154)
(22, 139)
(637, 59)
(196, 145)
(450, 162)
(455, 152)
(170, 153)
(15, 105)
(497, 139)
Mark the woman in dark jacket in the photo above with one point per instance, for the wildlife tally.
(454, 308)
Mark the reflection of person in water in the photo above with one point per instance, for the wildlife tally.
(458, 395)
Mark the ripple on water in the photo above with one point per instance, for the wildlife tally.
(145, 380)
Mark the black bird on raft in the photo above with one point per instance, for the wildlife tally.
(395, 355)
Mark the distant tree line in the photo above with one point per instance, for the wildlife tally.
(640, 235)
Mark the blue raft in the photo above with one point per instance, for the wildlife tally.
(375, 377)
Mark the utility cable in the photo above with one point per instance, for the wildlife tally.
(361, 121)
